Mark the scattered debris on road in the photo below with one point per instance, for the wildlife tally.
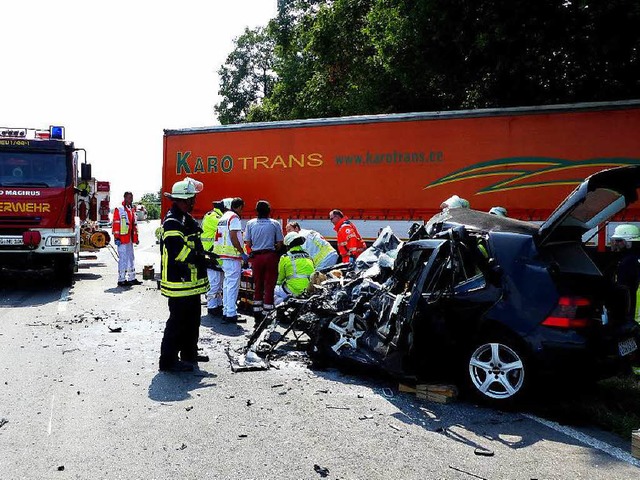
(483, 452)
(324, 472)
(468, 473)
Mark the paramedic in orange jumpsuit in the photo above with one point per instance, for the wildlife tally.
(350, 243)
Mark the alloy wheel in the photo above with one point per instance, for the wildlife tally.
(497, 371)
(349, 329)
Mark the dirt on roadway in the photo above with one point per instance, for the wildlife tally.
(80, 399)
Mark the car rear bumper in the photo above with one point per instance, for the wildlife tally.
(597, 355)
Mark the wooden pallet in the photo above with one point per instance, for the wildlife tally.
(438, 393)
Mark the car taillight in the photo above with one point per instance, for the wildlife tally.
(31, 239)
(571, 312)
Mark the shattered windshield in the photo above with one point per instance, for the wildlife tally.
(33, 170)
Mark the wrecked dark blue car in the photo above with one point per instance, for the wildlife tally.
(495, 303)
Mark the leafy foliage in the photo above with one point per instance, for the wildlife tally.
(348, 57)
(151, 202)
(247, 76)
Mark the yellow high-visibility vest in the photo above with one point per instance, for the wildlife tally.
(210, 228)
(223, 246)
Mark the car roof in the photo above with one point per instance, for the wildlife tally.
(480, 221)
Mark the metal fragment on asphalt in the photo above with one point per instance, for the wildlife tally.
(483, 452)
(323, 471)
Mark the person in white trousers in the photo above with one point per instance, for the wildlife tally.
(125, 234)
(229, 247)
(215, 274)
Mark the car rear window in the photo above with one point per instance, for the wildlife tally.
(598, 205)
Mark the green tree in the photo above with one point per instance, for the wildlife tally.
(347, 57)
(151, 202)
(247, 76)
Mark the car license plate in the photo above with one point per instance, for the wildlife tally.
(11, 241)
(627, 346)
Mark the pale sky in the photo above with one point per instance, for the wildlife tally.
(115, 74)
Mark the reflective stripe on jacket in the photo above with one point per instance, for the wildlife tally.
(124, 226)
(316, 246)
(223, 246)
(210, 228)
(294, 270)
(183, 274)
(350, 243)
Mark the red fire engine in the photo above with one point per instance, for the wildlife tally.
(39, 189)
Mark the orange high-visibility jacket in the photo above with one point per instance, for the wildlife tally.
(124, 225)
(350, 243)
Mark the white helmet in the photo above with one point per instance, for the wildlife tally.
(455, 202)
(184, 189)
(499, 211)
(226, 202)
(291, 236)
(627, 232)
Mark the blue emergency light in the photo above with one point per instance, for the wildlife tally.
(56, 132)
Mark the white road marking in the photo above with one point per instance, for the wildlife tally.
(586, 439)
(64, 299)
(50, 415)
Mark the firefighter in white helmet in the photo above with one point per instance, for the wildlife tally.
(184, 279)
(294, 269)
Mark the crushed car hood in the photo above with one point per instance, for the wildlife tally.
(594, 201)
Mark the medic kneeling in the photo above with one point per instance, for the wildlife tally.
(294, 269)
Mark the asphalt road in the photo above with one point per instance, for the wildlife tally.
(78, 401)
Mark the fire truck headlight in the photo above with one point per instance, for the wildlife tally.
(62, 241)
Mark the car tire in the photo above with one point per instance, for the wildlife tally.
(498, 371)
